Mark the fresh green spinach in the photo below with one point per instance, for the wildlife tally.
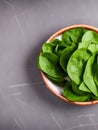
(72, 63)
(88, 38)
(70, 95)
(76, 64)
(48, 67)
(88, 75)
(76, 89)
(83, 87)
(72, 36)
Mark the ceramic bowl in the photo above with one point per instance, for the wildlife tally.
(57, 90)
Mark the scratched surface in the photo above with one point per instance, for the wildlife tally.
(25, 103)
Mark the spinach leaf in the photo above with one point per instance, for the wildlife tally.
(66, 53)
(95, 70)
(76, 64)
(48, 47)
(67, 50)
(58, 49)
(85, 30)
(59, 45)
(53, 47)
(72, 36)
(76, 89)
(48, 67)
(88, 38)
(70, 95)
(83, 87)
(52, 57)
(93, 47)
(58, 42)
(88, 75)
(56, 80)
(94, 97)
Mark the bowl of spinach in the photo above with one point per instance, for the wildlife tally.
(68, 62)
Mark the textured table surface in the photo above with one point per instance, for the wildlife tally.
(25, 102)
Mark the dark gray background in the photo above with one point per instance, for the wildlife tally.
(25, 102)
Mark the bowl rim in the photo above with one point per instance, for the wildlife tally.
(59, 32)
